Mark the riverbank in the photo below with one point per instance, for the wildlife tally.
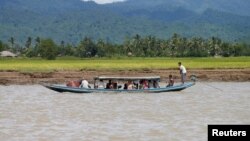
(24, 78)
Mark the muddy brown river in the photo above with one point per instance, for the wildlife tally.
(34, 113)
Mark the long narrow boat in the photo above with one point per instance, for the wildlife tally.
(64, 88)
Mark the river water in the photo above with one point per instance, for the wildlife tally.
(34, 113)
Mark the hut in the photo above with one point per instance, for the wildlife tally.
(7, 54)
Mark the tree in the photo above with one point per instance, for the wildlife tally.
(151, 46)
(136, 45)
(28, 42)
(69, 50)
(35, 50)
(101, 48)
(48, 49)
(196, 48)
(164, 47)
(111, 50)
(1, 46)
(12, 42)
(29, 51)
(87, 48)
(246, 51)
(127, 47)
(61, 49)
(174, 44)
(38, 41)
(238, 49)
(226, 50)
(214, 45)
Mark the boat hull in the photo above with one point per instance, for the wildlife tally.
(61, 88)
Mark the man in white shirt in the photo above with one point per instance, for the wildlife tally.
(183, 72)
(84, 84)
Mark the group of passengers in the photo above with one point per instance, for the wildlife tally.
(130, 85)
(142, 84)
(147, 84)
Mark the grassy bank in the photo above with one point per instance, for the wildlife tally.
(24, 64)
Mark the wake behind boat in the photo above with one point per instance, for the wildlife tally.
(122, 84)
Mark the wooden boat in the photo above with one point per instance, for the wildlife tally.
(64, 88)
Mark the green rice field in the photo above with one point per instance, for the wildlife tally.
(40, 65)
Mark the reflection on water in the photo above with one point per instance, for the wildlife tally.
(29, 113)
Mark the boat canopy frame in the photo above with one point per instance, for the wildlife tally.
(119, 78)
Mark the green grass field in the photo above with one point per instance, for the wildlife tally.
(39, 65)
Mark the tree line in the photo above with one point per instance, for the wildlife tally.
(137, 46)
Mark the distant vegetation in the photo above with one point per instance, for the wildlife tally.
(136, 46)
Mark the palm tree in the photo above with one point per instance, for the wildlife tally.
(62, 48)
(136, 44)
(28, 42)
(214, 45)
(174, 44)
(101, 48)
(12, 41)
(38, 41)
(127, 47)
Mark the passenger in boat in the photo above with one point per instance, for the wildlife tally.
(125, 86)
(114, 84)
(145, 84)
(101, 84)
(141, 84)
(70, 84)
(136, 84)
(150, 84)
(84, 84)
(183, 72)
(156, 84)
(109, 85)
(74, 84)
(130, 85)
(170, 81)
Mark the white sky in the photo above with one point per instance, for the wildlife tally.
(104, 1)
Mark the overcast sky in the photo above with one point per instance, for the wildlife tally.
(104, 1)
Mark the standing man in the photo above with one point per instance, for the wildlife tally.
(183, 72)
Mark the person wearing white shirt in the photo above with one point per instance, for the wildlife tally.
(84, 84)
(183, 72)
